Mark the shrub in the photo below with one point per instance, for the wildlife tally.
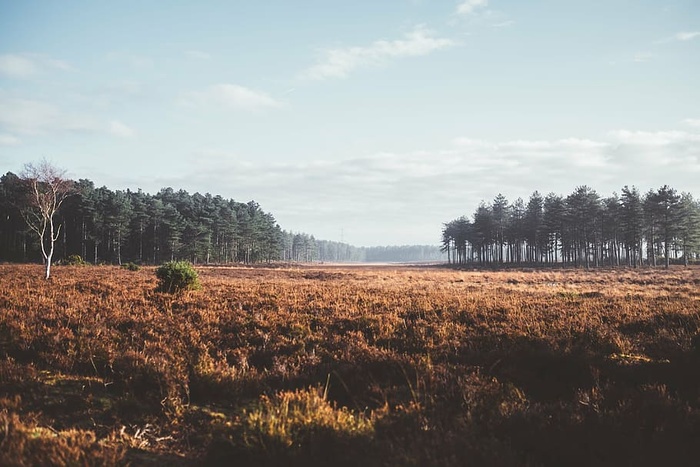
(74, 260)
(131, 266)
(175, 276)
(297, 428)
(295, 418)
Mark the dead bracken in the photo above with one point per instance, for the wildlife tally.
(352, 365)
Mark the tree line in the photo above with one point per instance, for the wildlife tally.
(116, 226)
(582, 229)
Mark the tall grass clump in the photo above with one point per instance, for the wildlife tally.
(176, 276)
(298, 428)
(297, 417)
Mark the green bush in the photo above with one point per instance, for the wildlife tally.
(175, 276)
(74, 260)
(131, 266)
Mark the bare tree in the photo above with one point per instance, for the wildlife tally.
(47, 187)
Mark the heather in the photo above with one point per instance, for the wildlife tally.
(352, 365)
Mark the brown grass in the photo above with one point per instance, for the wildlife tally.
(379, 366)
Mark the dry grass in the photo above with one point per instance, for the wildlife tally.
(418, 366)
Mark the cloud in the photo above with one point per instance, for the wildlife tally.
(340, 62)
(22, 66)
(404, 197)
(17, 66)
(679, 37)
(8, 140)
(692, 122)
(641, 57)
(527, 146)
(197, 55)
(504, 24)
(576, 153)
(469, 6)
(661, 156)
(34, 117)
(686, 36)
(654, 138)
(231, 96)
(121, 130)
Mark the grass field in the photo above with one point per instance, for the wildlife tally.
(350, 365)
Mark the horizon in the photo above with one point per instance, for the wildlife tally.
(355, 122)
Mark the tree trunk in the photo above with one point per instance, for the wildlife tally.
(119, 247)
(155, 243)
(141, 240)
(83, 246)
(49, 256)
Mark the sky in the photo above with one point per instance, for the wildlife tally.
(367, 122)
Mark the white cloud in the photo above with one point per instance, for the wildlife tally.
(33, 117)
(679, 37)
(27, 116)
(197, 55)
(504, 24)
(464, 142)
(662, 156)
(17, 66)
(529, 146)
(686, 36)
(692, 122)
(232, 96)
(372, 195)
(28, 65)
(20, 117)
(121, 130)
(8, 140)
(654, 138)
(469, 6)
(339, 62)
(641, 57)
(241, 97)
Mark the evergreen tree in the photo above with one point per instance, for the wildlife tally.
(669, 218)
(632, 224)
(689, 227)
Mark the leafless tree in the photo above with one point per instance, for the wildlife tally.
(46, 189)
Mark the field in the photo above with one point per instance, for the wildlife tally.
(350, 365)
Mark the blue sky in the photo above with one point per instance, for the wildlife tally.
(380, 119)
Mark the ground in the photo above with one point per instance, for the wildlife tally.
(389, 365)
